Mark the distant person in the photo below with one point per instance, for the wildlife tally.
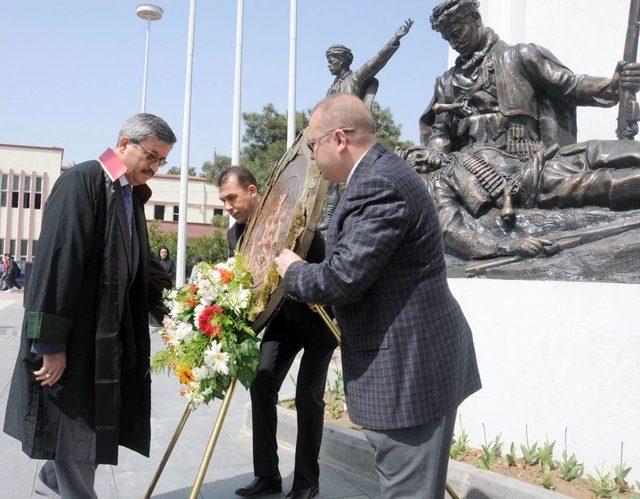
(5, 271)
(81, 385)
(167, 263)
(12, 274)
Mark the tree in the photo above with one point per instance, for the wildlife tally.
(387, 129)
(175, 170)
(212, 169)
(265, 137)
(211, 249)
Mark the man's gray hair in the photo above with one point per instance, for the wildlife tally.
(144, 125)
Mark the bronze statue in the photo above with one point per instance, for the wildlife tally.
(361, 82)
(508, 115)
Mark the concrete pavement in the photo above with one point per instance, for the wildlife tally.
(231, 465)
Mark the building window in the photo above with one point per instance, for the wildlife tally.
(24, 245)
(158, 212)
(3, 192)
(12, 247)
(176, 213)
(218, 212)
(34, 245)
(1, 246)
(26, 196)
(15, 193)
(38, 195)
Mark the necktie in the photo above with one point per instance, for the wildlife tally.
(128, 204)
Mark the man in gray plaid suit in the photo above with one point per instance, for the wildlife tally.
(407, 351)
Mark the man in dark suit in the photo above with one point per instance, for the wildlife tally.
(293, 328)
(81, 384)
(407, 351)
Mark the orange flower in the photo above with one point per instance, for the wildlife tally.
(193, 288)
(185, 375)
(192, 301)
(226, 276)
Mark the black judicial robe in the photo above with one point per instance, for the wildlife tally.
(85, 291)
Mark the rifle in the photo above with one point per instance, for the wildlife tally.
(628, 114)
(566, 241)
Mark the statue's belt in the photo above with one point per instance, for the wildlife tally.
(489, 178)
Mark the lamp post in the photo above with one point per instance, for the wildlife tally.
(149, 13)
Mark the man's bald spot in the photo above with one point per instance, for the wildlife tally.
(346, 111)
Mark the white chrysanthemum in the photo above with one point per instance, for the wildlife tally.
(216, 359)
(169, 324)
(197, 311)
(201, 373)
(184, 332)
(216, 278)
(238, 299)
(176, 308)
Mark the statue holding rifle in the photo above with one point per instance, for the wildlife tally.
(499, 139)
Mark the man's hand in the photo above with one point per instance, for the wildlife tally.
(404, 29)
(626, 76)
(532, 246)
(284, 259)
(53, 365)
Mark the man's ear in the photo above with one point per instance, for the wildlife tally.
(253, 190)
(122, 143)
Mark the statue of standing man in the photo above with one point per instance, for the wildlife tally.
(362, 83)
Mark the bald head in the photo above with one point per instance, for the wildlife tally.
(346, 111)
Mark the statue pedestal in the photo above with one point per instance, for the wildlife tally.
(554, 355)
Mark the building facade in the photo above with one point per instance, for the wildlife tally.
(27, 174)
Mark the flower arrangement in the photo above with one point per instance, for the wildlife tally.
(207, 334)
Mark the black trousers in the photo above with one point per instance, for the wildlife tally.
(283, 340)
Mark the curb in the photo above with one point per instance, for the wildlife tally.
(348, 449)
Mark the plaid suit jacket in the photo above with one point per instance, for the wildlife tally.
(407, 351)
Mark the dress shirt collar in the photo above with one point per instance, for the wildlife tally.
(355, 166)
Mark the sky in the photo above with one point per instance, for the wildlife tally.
(71, 71)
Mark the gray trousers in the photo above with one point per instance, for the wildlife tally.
(67, 479)
(412, 462)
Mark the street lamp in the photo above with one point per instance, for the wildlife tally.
(149, 13)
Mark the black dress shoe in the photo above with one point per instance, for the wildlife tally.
(304, 493)
(261, 485)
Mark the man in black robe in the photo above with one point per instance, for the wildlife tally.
(81, 384)
(293, 328)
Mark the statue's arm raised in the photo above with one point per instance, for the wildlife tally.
(370, 68)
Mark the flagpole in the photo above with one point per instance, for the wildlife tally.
(291, 113)
(237, 89)
(184, 162)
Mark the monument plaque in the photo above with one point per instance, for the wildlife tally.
(286, 217)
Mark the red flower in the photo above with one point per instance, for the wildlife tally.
(209, 321)
(193, 288)
(226, 276)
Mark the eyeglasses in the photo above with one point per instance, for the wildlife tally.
(151, 158)
(311, 144)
